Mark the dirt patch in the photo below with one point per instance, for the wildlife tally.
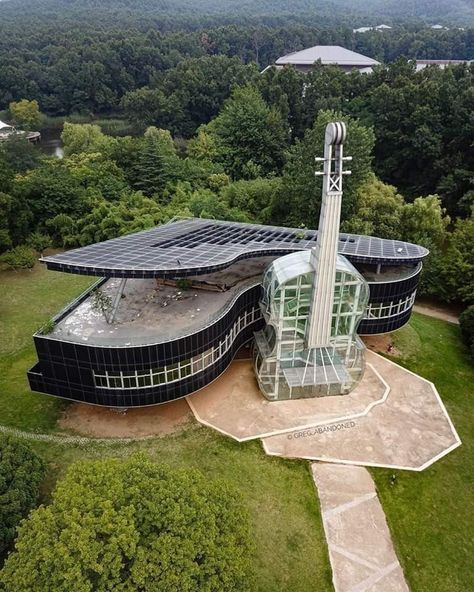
(102, 422)
(381, 344)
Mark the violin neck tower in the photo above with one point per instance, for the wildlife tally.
(324, 255)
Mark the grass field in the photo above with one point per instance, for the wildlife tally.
(431, 514)
(291, 550)
(28, 299)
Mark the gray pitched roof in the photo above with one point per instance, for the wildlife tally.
(328, 54)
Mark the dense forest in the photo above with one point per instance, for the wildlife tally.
(84, 56)
(215, 137)
(86, 69)
(253, 160)
(197, 12)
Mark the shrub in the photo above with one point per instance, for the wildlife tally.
(21, 257)
(183, 283)
(39, 242)
(21, 473)
(102, 303)
(466, 322)
(48, 327)
(134, 525)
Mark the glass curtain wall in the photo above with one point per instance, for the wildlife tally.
(286, 368)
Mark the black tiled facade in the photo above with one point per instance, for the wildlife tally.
(66, 369)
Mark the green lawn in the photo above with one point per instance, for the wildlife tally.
(431, 514)
(291, 550)
(28, 299)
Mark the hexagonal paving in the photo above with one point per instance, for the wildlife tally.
(234, 405)
(394, 418)
(410, 430)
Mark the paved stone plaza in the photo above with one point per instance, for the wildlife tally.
(394, 418)
(234, 405)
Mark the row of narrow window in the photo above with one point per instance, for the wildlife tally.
(172, 372)
(391, 309)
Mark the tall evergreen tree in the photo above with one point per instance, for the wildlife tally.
(151, 170)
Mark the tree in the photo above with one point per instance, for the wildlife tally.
(250, 138)
(79, 138)
(150, 106)
(6, 171)
(135, 526)
(132, 212)
(203, 203)
(254, 197)
(285, 89)
(300, 198)
(424, 222)
(102, 303)
(21, 257)
(21, 474)
(18, 156)
(39, 242)
(466, 323)
(378, 210)
(97, 173)
(25, 113)
(15, 219)
(156, 163)
(458, 263)
(202, 146)
(62, 230)
(197, 88)
(51, 189)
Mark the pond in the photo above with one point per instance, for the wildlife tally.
(51, 144)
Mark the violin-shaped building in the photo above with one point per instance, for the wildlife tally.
(174, 304)
(313, 302)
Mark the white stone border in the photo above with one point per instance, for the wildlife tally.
(369, 407)
(389, 466)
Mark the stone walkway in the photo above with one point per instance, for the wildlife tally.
(437, 312)
(360, 547)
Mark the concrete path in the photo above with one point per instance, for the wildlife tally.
(360, 547)
(437, 312)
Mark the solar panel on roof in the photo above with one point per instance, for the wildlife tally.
(194, 246)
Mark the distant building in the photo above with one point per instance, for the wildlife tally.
(439, 28)
(329, 55)
(362, 29)
(366, 29)
(422, 64)
(7, 130)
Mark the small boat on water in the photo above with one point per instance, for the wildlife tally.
(6, 131)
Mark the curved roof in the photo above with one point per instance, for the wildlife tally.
(328, 54)
(197, 246)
